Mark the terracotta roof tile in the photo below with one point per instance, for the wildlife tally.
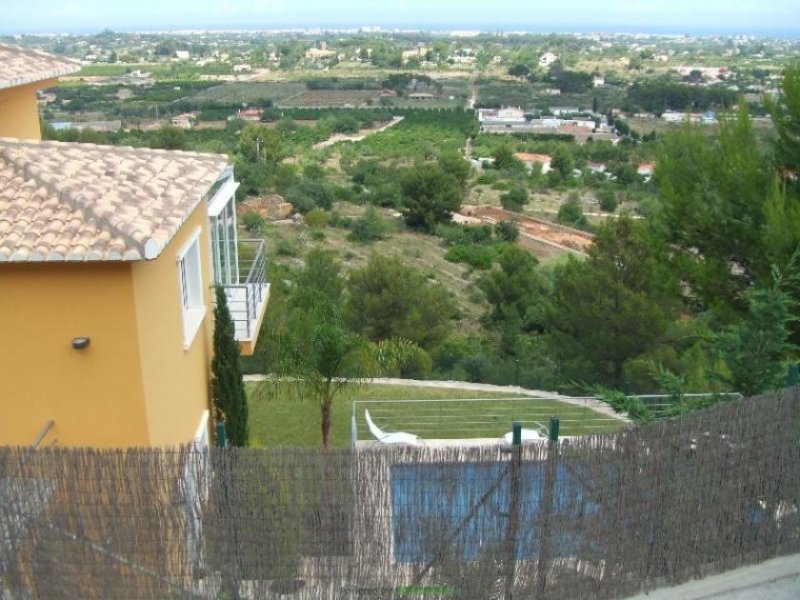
(63, 201)
(528, 157)
(19, 66)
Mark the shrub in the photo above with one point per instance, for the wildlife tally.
(461, 234)
(506, 231)
(286, 246)
(636, 409)
(476, 256)
(317, 219)
(310, 194)
(253, 222)
(515, 199)
(347, 194)
(370, 227)
(608, 200)
(487, 178)
(430, 196)
(570, 213)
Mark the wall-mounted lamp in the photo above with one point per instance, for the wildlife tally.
(80, 343)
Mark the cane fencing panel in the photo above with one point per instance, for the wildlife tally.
(588, 517)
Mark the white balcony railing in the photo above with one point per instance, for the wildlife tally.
(248, 298)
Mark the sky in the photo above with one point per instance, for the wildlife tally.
(773, 17)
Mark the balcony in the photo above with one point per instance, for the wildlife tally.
(247, 300)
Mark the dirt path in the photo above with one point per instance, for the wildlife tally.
(341, 137)
(473, 94)
(592, 403)
(566, 237)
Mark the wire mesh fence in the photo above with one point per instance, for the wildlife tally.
(590, 517)
(663, 406)
(480, 418)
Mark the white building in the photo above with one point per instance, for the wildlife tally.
(547, 59)
(506, 114)
(529, 160)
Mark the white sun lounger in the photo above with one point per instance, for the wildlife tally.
(400, 437)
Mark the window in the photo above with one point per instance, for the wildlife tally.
(191, 284)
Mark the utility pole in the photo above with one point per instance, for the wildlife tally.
(258, 149)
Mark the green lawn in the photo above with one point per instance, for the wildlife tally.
(278, 420)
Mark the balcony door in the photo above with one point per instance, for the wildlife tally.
(222, 222)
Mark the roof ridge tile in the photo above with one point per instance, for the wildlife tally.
(131, 199)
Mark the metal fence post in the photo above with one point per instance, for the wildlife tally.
(221, 435)
(546, 506)
(353, 425)
(512, 530)
(793, 375)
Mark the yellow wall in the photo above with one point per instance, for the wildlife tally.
(19, 110)
(95, 395)
(134, 385)
(175, 380)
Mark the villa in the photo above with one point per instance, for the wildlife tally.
(108, 256)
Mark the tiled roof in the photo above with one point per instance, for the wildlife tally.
(19, 66)
(528, 157)
(84, 202)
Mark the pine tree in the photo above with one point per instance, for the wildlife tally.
(227, 387)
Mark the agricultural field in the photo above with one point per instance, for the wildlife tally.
(531, 96)
(330, 98)
(444, 102)
(421, 133)
(504, 93)
(162, 71)
(762, 126)
(249, 92)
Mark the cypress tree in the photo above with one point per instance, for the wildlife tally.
(227, 386)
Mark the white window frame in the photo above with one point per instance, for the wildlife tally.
(224, 251)
(190, 284)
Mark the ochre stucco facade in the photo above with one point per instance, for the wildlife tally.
(176, 381)
(19, 110)
(135, 384)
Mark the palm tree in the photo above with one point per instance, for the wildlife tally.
(314, 354)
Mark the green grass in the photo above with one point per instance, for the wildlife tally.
(278, 419)
(106, 70)
(160, 70)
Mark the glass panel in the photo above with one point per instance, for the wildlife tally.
(215, 250)
(220, 250)
(223, 244)
(230, 217)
